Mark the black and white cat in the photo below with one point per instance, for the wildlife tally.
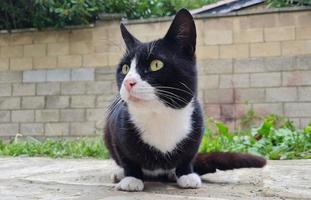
(155, 127)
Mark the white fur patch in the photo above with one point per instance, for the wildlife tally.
(161, 126)
(130, 184)
(189, 181)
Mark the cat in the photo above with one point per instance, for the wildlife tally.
(155, 126)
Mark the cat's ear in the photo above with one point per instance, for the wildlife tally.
(130, 41)
(182, 31)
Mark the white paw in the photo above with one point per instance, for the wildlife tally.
(116, 177)
(130, 184)
(189, 181)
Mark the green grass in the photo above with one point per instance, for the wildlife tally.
(275, 138)
(77, 148)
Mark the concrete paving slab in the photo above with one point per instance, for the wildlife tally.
(26, 178)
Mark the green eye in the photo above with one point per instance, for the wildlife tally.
(125, 69)
(156, 65)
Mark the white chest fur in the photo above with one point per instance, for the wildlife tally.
(160, 126)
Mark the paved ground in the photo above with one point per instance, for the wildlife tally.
(44, 178)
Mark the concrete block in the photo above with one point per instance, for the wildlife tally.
(103, 101)
(266, 79)
(266, 49)
(218, 96)
(10, 77)
(8, 103)
(264, 109)
(25, 89)
(4, 64)
(248, 36)
(105, 74)
(297, 78)
(297, 109)
(279, 33)
(249, 95)
(249, 65)
(100, 87)
(9, 129)
(5, 89)
(47, 62)
(234, 51)
(21, 38)
(207, 52)
(212, 110)
(57, 129)
(57, 75)
(303, 33)
(32, 129)
(34, 76)
(69, 88)
(234, 81)
(96, 115)
(281, 94)
(83, 74)
(83, 101)
(23, 116)
(35, 50)
(55, 49)
(95, 60)
(48, 88)
(280, 63)
(82, 129)
(33, 102)
(47, 115)
(304, 93)
(69, 61)
(19, 64)
(57, 101)
(208, 81)
(72, 115)
(5, 116)
(304, 62)
(214, 37)
(217, 66)
(82, 47)
(12, 51)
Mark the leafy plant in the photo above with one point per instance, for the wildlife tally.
(276, 138)
(288, 3)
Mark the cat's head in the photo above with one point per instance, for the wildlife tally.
(163, 70)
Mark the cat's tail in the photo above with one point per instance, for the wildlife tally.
(208, 162)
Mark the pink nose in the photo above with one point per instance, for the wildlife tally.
(129, 84)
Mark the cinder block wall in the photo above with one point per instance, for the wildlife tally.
(60, 83)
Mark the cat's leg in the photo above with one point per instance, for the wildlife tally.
(132, 180)
(186, 178)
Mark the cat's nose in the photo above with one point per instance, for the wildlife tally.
(129, 84)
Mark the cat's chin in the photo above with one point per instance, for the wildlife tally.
(134, 99)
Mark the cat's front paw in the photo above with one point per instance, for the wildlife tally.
(189, 181)
(130, 184)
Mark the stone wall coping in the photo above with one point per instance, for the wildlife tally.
(220, 15)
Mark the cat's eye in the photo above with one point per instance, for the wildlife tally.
(156, 65)
(125, 69)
